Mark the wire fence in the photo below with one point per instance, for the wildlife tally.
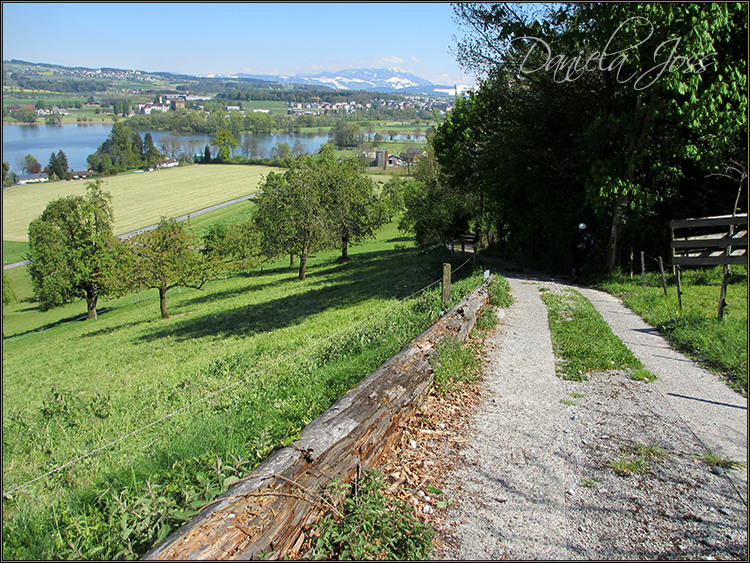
(227, 387)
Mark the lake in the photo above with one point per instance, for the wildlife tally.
(78, 141)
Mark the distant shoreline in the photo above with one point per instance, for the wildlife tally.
(105, 122)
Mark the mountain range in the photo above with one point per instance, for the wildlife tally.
(386, 80)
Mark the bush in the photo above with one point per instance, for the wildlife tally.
(369, 525)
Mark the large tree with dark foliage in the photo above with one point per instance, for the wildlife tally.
(620, 115)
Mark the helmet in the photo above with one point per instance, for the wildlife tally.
(582, 226)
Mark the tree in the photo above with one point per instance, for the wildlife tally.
(436, 213)
(69, 245)
(249, 146)
(281, 150)
(207, 155)
(165, 258)
(58, 165)
(243, 244)
(298, 148)
(345, 134)
(354, 211)
(292, 211)
(30, 165)
(151, 154)
(9, 178)
(25, 115)
(8, 295)
(620, 139)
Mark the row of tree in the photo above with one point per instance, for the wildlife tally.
(623, 116)
(316, 203)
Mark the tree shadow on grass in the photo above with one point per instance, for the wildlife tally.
(376, 274)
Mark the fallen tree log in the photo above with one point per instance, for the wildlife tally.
(268, 513)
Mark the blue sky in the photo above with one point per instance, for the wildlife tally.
(227, 38)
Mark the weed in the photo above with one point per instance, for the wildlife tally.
(372, 525)
(487, 320)
(648, 451)
(578, 395)
(715, 460)
(590, 483)
(455, 362)
(499, 292)
(629, 464)
(568, 402)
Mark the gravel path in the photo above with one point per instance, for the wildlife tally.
(534, 480)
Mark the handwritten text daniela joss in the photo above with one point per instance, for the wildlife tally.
(570, 68)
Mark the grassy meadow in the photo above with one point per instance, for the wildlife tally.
(252, 358)
(720, 345)
(139, 199)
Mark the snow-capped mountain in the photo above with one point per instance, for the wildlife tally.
(385, 80)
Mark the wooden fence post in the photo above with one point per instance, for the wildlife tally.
(631, 262)
(663, 277)
(643, 268)
(446, 284)
(723, 296)
(679, 286)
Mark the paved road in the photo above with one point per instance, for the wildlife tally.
(535, 480)
(152, 227)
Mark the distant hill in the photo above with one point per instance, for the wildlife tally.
(387, 80)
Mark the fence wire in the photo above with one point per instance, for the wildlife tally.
(224, 389)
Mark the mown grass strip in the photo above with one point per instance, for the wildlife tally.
(169, 192)
(583, 341)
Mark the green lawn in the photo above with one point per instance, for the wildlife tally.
(77, 385)
(139, 199)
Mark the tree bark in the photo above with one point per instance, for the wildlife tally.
(91, 300)
(345, 248)
(303, 263)
(163, 302)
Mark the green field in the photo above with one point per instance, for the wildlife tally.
(138, 199)
(72, 386)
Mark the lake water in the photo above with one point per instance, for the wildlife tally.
(79, 141)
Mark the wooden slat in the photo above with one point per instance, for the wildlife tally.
(721, 242)
(722, 221)
(709, 260)
(267, 513)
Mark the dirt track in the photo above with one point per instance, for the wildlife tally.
(534, 480)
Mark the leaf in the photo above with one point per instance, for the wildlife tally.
(229, 480)
(434, 491)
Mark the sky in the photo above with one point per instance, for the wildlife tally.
(278, 38)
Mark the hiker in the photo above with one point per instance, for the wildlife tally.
(580, 245)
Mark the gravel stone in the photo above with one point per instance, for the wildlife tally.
(527, 447)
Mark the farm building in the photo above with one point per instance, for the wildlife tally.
(32, 178)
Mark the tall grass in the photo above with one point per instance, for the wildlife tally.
(81, 385)
(720, 345)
